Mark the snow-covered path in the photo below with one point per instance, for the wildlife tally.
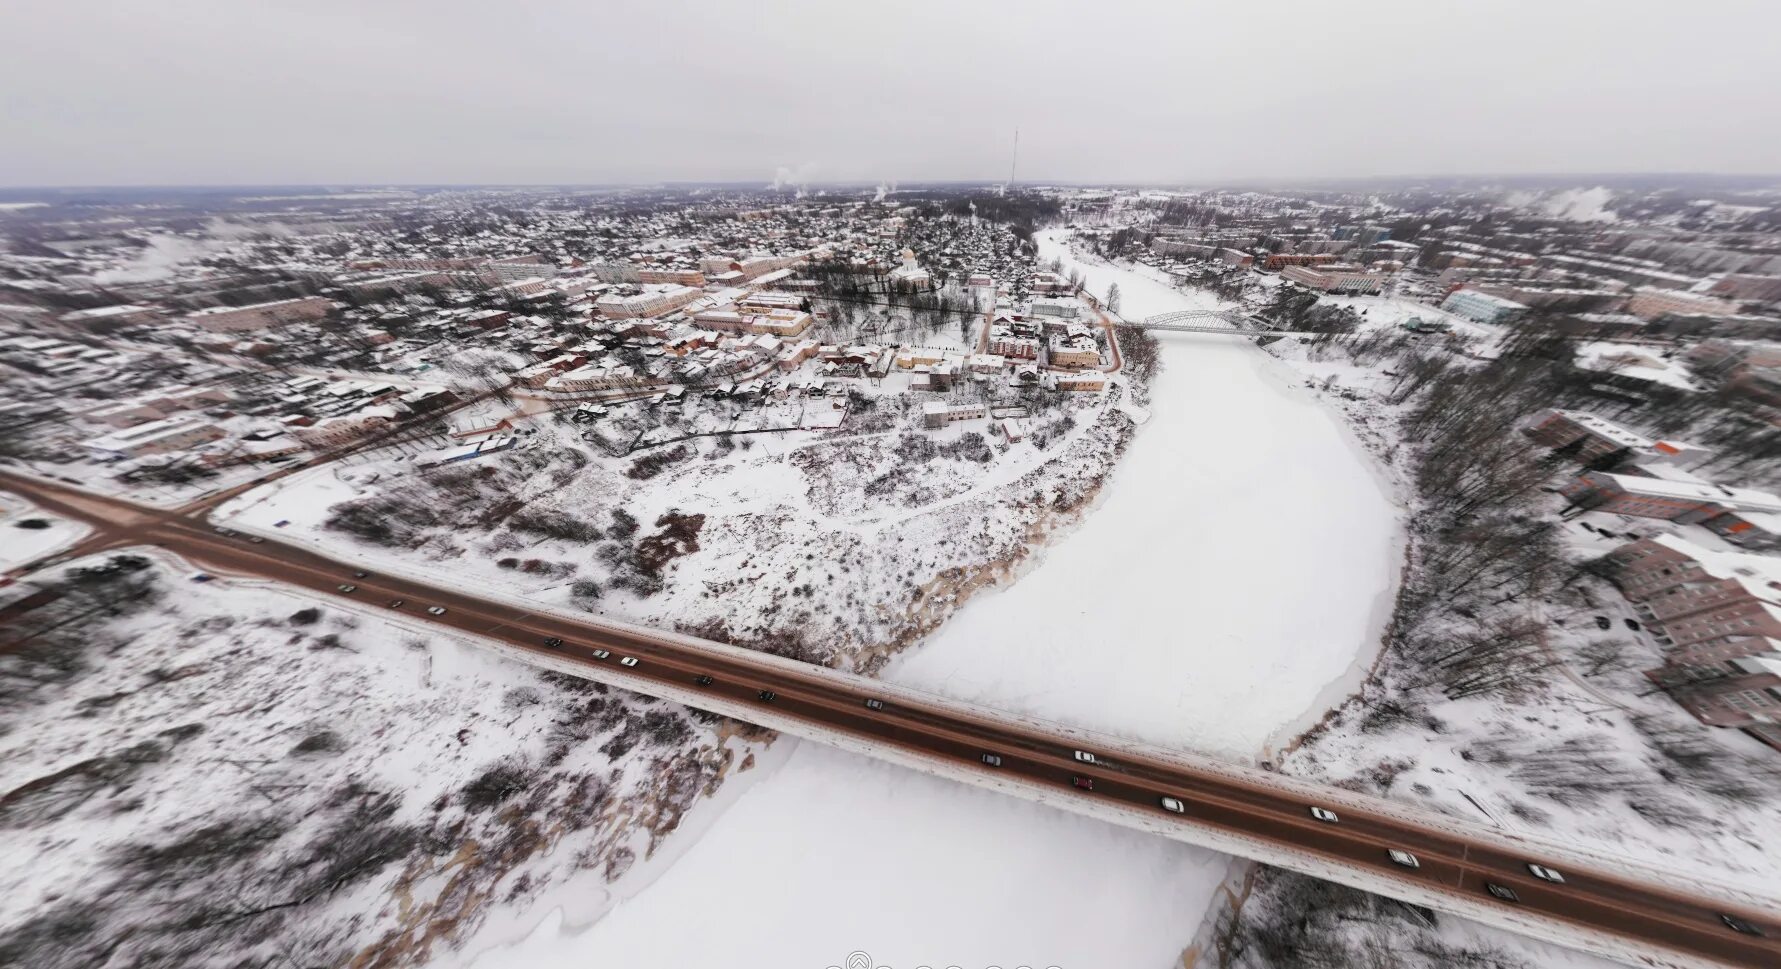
(1235, 575)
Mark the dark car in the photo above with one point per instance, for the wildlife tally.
(703, 680)
(1083, 783)
(1503, 892)
(1632, 624)
(1739, 925)
(554, 642)
(767, 696)
(1603, 622)
(361, 574)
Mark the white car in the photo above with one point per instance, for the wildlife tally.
(1174, 804)
(435, 610)
(1324, 814)
(628, 661)
(1546, 874)
(1085, 757)
(1404, 858)
(602, 654)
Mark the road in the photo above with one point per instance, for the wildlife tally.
(1457, 862)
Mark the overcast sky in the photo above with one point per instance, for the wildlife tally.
(579, 91)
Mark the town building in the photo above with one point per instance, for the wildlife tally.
(647, 301)
(1482, 307)
(1746, 693)
(1066, 309)
(1080, 382)
(1335, 278)
(939, 414)
(1597, 437)
(1687, 501)
(681, 277)
(234, 319)
(113, 317)
(1649, 303)
(1280, 260)
(1073, 352)
(1694, 597)
(156, 437)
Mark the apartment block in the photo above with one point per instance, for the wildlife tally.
(234, 319)
(1335, 278)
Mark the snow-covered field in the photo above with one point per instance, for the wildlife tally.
(1171, 615)
(231, 773)
(835, 853)
(20, 544)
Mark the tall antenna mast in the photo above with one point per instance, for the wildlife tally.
(1014, 160)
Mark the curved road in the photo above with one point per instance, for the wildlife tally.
(1457, 862)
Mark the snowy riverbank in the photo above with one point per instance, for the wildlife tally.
(1229, 585)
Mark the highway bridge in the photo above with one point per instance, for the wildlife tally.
(1613, 907)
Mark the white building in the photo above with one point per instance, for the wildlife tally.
(155, 437)
(1482, 307)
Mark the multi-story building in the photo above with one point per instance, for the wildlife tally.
(1067, 309)
(601, 377)
(1048, 283)
(1648, 303)
(1280, 260)
(767, 302)
(1482, 307)
(1005, 343)
(661, 274)
(234, 319)
(113, 317)
(155, 437)
(940, 414)
(372, 287)
(1073, 352)
(1748, 695)
(1335, 278)
(1748, 286)
(1696, 598)
(345, 428)
(1601, 437)
(1236, 258)
(1684, 500)
(648, 301)
(1081, 382)
(776, 322)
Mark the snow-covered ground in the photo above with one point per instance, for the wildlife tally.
(21, 543)
(1171, 614)
(835, 853)
(227, 770)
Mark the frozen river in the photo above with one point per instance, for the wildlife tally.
(1239, 567)
(1234, 577)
